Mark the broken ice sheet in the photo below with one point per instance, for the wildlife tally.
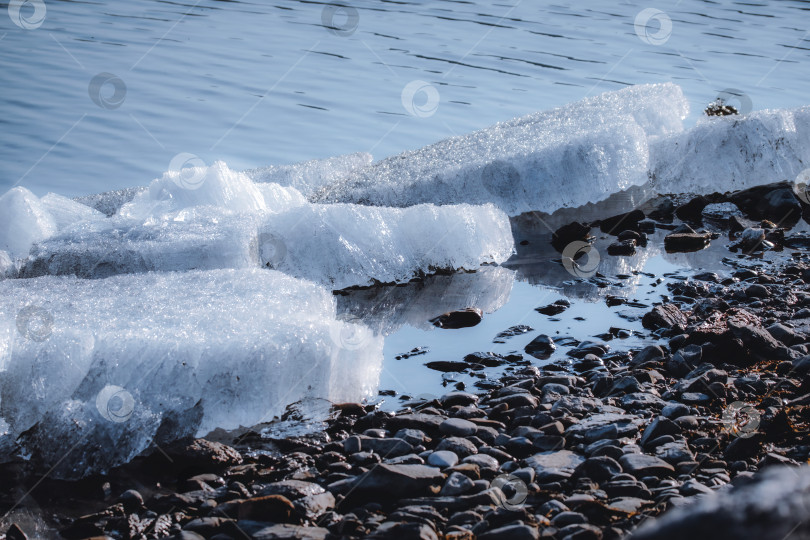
(103, 364)
(563, 157)
(731, 153)
(227, 221)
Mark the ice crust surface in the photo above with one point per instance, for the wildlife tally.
(67, 213)
(194, 239)
(111, 360)
(216, 185)
(195, 219)
(109, 202)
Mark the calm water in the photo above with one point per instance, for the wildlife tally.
(259, 83)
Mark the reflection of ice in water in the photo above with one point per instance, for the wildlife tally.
(386, 309)
(539, 223)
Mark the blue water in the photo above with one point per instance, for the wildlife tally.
(258, 83)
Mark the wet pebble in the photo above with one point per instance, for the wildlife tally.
(457, 427)
(442, 458)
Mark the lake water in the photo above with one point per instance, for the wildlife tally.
(101, 95)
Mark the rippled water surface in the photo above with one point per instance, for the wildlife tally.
(258, 83)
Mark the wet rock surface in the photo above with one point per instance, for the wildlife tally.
(774, 202)
(463, 318)
(684, 242)
(571, 232)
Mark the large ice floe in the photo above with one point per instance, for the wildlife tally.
(346, 244)
(584, 152)
(204, 300)
(107, 362)
(565, 157)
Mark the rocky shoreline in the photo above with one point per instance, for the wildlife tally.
(585, 448)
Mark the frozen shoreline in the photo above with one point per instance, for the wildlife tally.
(212, 221)
(705, 416)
